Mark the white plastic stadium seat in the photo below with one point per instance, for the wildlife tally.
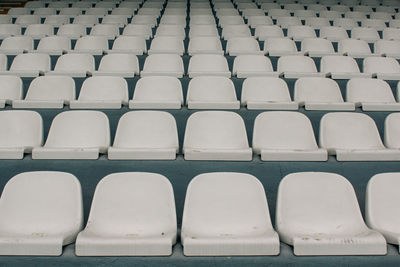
(388, 48)
(263, 32)
(385, 68)
(300, 32)
(205, 45)
(138, 30)
(298, 66)
(109, 31)
(38, 31)
(40, 213)
(266, 93)
(207, 65)
(392, 131)
(53, 45)
(369, 35)
(48, 92)
(253, 65)
(211, 92)
(280, 46)
(76, 135)
(94, 45)
(73, 31)
(124, 221)
(102, 92)
(15, 45)
(315, 93)
(129, 45)
(20, 131)
(167, 45)
(10, 89)
(292, 141)
(317, 47)
(243, 46)
(341, 67)
(311, 206)
(123, 65)
(216, 135)
(29, 65)
(333, 33)
(7, 30)
(163, 65)
(354, 48)
(229, 228)
(157, 92)
(74, 65)
(353, 137)
(145, 135)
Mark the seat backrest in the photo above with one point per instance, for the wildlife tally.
(280, 44)
(130, 42)
(51, 88)
(360, 90)
(158, 88)
(79, 129)
(317, 202)
(21, 129)
(17, 42)
(387, 47)
(215, 130)
(91, 43)
(50, 201)
(317, 45)
(10, 87)
(10, 29)
(283, 130)
(381, 65)
(392, 131)
(54, 43)
(100, 88)
(211, 88)
(317, 89)
(346, 130)
(264, 32)
(296, 64)
(72, 30)
(147, 129)
(339, 64)
(105, 30)
(333, 33)
(74, 62)
(265, 89)
(39, 30)
(119, 63)
(353, 46)
(31, 61)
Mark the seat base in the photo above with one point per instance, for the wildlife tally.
(368, 155)
(294, 155)
(141, 154)
(219, 154)
(53, 104)
(137, 104)
(329, 106)
(213, 105)
(34, 245)
(272, 105)
(85, 104)
(65, 153)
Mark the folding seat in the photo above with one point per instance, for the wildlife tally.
(7, 30)
(157, 92)
(317, 23)
(48, 92)
(385, 68)
(21, 131)
(53, 45)
(248, 13)
(276, 13)
(107, 5)
(293, 6)
(83, 4)
(171, 12)
(196, 20)
(119, 20)
(29, 65)
(300, 32)
(356, 15)
(74, 65)
(242, 46)
(44, 11)
(227, 228)
(145, 19)
(305, 14)
(377, 24)
(145, 135)
(86, 20)
(216, 135)
(171, 30)
(394, 23)
(380, 16)
(40, 213)
(102, 92)
(5, 19)
(266, 93)
(118, 64)
(353, 137)
(380, 201)
(315, 93)
(167, 45)
(110, 31)
(333, 33)
(363, 33)
(311, 206)
(317, 47)
(246, 6)
(371, 94)
(208, 65)
(98, 12)
(10, 89)
(391, 34)
(128, 4)
(34, 4)
(231, 31)
(363, 9)
(226, 12)
(252, 65)
(296, 66)
(386, 9)
(391, 138)
(129, 45)
(230, 20)
(387, 48)
(317, 7)
(25, 20)
(138, 30)
(76, 134)
(255, 21)
(38, 31)
(342, 9)
(285, 22)
(264, 32)
(203, 30)
(174, 20)
(372, 3)
(201, 12)
(149, 11)
(341, 67)
(73, 31)
(18, 11)
(211, 92)
(123, 223)
(71, 12)
(163, 65)
(345, 23)
(290, 141)
(56, 20)
(94, 45)
(354, 48)
(268, 6)
(58, 5)
(125, 11)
